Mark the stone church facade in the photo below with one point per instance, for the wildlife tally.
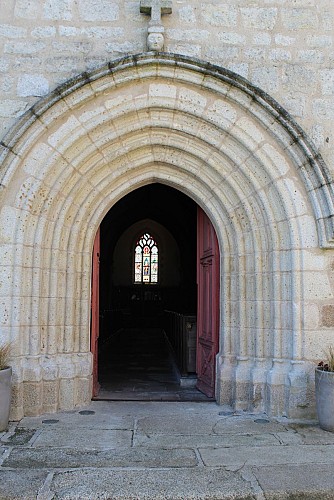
(236, 111)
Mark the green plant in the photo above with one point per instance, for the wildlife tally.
(328, 364)
(4, 355)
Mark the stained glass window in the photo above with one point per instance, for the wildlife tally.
(146, 263)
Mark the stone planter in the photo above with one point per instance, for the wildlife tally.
(5, 396)
(324, 393)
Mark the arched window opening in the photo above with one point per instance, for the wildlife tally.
(146, 257)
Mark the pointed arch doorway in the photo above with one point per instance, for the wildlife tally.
(128, 317)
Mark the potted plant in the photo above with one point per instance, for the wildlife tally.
(5, 385)
(324, 391)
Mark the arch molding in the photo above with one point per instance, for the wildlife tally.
(200, 129)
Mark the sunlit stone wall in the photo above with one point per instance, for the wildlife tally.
(244, 160)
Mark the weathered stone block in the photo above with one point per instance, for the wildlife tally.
(255, 54)
(191, 101)
(280, 55)
(32, 85)
(72, 47)
(320, 41)
(58, 10)
(232, 38)
(239, 68)
(98, 10)
(327, 81)
(188, 34)
(11, 107)
(127, 457)
(300, 18)
(311, 56)
(219, 15)
(189, 49)
(251, 135)
(299, 77)
(222, 54)
(281, 39)
(267, 78)
(259, 18)
(323, 109)
(162, 90)
(222, 114)
(66, 396)
(4, 65)
(24, 484)
(12, 31)
(296, 105)
(89, 439)
(17, 409)
(262, 39)
(32, 398)
(187, 14)
(50, 395)
(164, 483)
(83, 394)
(124, 47)
(327, 316)
(104, 32)
(24, 48)
(44, 32)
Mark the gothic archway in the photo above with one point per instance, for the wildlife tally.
(208, 133)
(137, 317)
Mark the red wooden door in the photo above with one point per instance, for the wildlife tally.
(207, 304)
(95, 311)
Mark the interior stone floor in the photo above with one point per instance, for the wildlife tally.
(137, 364)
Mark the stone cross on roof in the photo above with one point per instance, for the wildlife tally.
(156, 8)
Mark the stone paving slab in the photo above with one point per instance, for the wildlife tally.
(173, 424)
(96, 420)
(19, 437)
(168, 484)
(24, 485)
(208, 424)
(34, 458)
(78, 439)
(254, 424)
(152, 408)
(200, 441)
(143, 451)
(267, 455)
(303, 482)
(310, 434)
(288, 438)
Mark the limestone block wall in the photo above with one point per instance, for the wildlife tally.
(233, 150)
(284, 47)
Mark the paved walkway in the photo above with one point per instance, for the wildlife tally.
(164, 450)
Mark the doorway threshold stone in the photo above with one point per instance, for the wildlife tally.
(188, 382)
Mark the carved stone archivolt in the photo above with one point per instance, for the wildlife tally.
(210, 134)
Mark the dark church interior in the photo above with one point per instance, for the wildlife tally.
(147, 342)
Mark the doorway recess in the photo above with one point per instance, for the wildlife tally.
(147, 330)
